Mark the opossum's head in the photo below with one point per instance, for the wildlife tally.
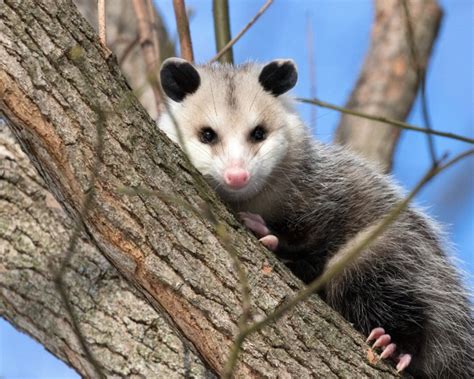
(235, 122)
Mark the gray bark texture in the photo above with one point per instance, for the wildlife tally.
(130, 338)
(388, 83)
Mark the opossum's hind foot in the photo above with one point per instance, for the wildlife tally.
(383, 341)
(257, 225)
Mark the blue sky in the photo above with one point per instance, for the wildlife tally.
(341, 31)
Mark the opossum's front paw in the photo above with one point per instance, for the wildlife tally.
(257, 225)
(389, 349)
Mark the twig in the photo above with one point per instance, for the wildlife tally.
(421, 78)
(150, 54)
(154, 34)
(101, 22)
(220, 11)
(182, 24)
(354, 249)
(398, 124)
(242, 32)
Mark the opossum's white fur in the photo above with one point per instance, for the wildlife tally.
(315, 198)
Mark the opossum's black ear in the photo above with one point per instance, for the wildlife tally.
(279, 76)
(179, 78)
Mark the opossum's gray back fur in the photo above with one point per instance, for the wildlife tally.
(404, 282)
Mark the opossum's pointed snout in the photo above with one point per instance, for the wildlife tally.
(236, 177)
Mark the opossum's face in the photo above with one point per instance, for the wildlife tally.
(232, 121)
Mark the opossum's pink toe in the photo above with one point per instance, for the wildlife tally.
(254, 224)
(404, 362)
(270, 242)
(375, 333)
(388, 351)
(382, 341)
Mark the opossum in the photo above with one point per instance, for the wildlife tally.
(305, 200)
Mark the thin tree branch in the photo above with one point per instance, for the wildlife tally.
(150, 54)
(398, 124)
(220, 11)
(348, 254)
(233, 41)
(182, 24)
(421, 74)
(102, 23)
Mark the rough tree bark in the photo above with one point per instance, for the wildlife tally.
(130, 338)
(388, 82)
(54, 85)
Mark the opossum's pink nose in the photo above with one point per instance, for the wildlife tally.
(236, 177)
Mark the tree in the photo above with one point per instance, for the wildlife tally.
(72, 111)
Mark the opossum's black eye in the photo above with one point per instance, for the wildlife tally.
(208, 136)
(258, 134)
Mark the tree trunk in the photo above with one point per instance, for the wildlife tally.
(56, 87)
(388, 82)
(128, 336)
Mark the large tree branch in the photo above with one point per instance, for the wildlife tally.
(388, 83)
(172, 256)
(128, 336)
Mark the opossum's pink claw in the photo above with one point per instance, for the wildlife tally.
(270, 242)
(388, 351)
(382, 341)
(375, 334)
(404, 362)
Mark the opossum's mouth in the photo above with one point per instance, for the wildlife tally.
(228, 193)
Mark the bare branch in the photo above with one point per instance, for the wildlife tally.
(398, 124)
(150, 54)
(421, 74)
(388, 84)
(220, 11)
(102, 22)
(182, 24)
(233, 41)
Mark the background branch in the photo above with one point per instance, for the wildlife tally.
(387, 85)
(421, 77)
(151, 53)
(395, 123)
(182, 24)
(220, 11)
(239, 35)
(123, 38)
